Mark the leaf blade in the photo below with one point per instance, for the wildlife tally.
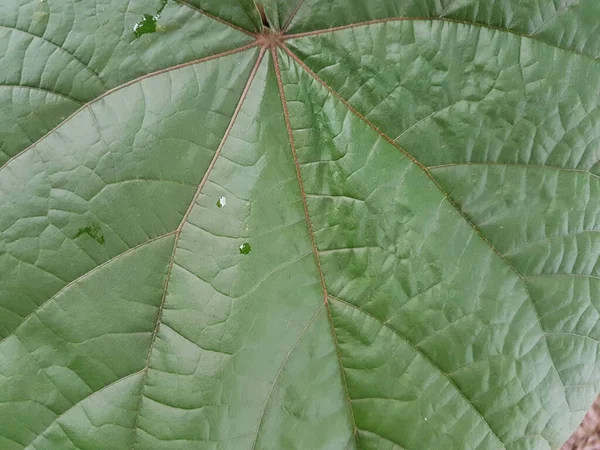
(459, 274)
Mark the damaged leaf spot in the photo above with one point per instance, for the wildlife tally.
(93, 231)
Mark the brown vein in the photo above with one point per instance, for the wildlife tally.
(180, 228)
(129, 83)
(288, 125)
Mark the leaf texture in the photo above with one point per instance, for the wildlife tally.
(340, 225)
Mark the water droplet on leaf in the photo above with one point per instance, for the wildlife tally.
(146, 25)
(93, 231)
(245, 248)
(221, 202)
(149, 23)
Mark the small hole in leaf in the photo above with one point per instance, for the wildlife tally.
(263, 15)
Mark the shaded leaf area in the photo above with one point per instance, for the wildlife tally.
(361, 228)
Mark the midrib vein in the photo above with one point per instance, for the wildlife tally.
(178, 235)
(311, 234)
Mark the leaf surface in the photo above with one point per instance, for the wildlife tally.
(369, 227)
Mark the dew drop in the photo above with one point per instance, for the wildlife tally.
(149, 24)
(146, 25)
(245, 248)
(221, 202)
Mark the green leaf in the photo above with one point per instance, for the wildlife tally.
(350, 225)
